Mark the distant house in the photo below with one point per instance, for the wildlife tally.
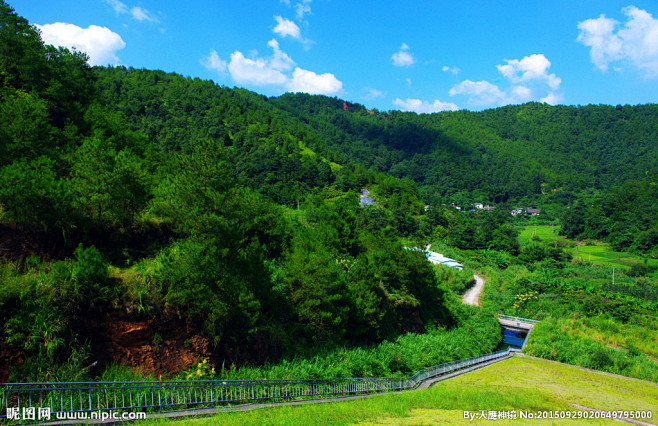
(532, 212)
(488, 207)
(517, 211)
(478, 206)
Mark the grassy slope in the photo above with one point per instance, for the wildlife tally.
(516, 384)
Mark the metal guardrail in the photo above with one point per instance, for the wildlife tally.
(517, 319)
(58, 399)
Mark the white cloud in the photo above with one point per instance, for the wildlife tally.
(480, 92)
(551, 99)
(635, 42)
(279, 60)
(531, 68)
(257, 72)
(424, 107)
(403, 58)
(315, 84)
(261, 71)
(119, 7)
(138, 13)
(274, 70)
(598, 34)
(100, 43)
(453, 70)
(408, 80)
(519, 94)
(303, 8)
(528, 79)
(286, 27)
(141, 14)
(214, 62)
(373, 94)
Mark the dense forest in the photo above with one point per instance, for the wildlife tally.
(626, 216)
(144, 209)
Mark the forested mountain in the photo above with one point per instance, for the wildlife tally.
(229, 222)
(498, 155)
(501, 154)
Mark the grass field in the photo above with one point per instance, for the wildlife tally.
(515, 385)
(597, 253)
(602, 254)
(546, 233)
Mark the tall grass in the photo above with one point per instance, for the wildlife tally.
(478, 333)
(602, 346)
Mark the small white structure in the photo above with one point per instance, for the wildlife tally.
(439, 259)
(365, 199)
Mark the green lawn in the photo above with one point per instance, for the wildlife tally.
(518, 384)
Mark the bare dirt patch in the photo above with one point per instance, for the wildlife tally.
(157, 346)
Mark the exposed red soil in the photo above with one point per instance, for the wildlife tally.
(161, 347)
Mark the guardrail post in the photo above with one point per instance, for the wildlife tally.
(159, 397)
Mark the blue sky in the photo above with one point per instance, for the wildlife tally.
(421, 56)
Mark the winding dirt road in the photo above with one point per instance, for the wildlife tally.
(472, 296)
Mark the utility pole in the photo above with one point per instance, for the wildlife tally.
(613, 275)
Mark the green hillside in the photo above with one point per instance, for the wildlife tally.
(151, 221)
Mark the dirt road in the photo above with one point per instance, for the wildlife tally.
(472, 296)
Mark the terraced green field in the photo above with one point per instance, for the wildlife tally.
(597, 253)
